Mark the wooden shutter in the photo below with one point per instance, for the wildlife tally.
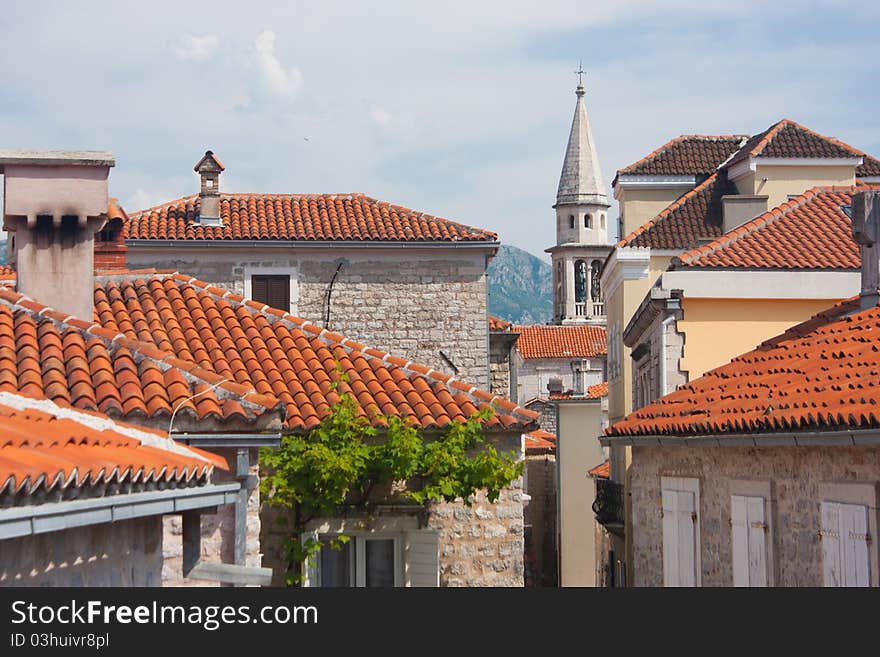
(679, 538)
(310, 570)
(422, 558)
(748, 536)
(830, 533)
(272, 290)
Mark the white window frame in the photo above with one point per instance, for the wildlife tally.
(688, 485)
(762, 489)
(291, 272)
(401, 529)
(862, 494)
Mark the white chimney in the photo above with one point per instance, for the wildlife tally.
(866, 232)
(53, 203)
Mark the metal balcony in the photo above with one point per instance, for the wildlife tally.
(608, 505)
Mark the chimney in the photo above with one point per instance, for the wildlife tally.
(209, 169)
(554, 386)
(866, 232)
(53, 204)
(737, 209)
(110, 248)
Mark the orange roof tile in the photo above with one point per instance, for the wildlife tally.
(577, 341)
(823, 374)
(687, 155)
(7, 272)
(602, 471)
(283, 357)
(788, 139)
(499, 325)
(306, 217)
(44, 447)
(48, 354)
(598, 390)
(540, 442)
(808, 232)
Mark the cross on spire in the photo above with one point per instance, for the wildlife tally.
(580, 73)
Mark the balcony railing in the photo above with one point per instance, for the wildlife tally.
(589, 309)
(580, 309)
(608, 505)
(598, 309)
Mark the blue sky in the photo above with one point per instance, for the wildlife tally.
(457, 109)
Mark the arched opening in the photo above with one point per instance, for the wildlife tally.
(602, 221)
(596, 284)
(571, 221)
(588, 221)
(580, 281)
(557, 297)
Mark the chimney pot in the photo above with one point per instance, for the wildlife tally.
(209, 169)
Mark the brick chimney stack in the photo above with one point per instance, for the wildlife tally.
(209, 169)
(54, 202)
(866, 232)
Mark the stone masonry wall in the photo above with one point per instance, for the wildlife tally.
(540, 519)
(795, 475)
(499, 366)
(127, 553)
(412, 303)
(547, 420)
(218, 529)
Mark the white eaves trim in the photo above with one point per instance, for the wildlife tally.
(751, 164)
(870, 180)
(625, 263)
(855, 438)
(735, 284)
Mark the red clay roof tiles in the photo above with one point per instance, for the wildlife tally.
(687, 155)
(305, 217)
(44, 354)
(602, 471)
(577, 341)
(44, 447)
(283, 357)
(823, 374)
(808, 232)
(787, 139)
(499, 325)
(540, 442)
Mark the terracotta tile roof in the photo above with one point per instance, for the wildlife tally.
(7, 272)
(687, 155)
(46, 448)
(47, 354)
(602, 471)
(577, 341)
(540, 442)
(786, 138)
(695, 215)
(307, 217)
(808, 232)
(499, 325)
(598, 390)
(823, 374)
(284, 357)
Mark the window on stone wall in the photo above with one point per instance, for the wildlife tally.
(273, 290)
(588, 221)
(571, 221)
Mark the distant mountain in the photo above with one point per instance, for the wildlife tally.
(520, 287)
(2, 252)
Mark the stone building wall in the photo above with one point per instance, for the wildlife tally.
(534, 374)
(127, 553)
(413, 303)
(218, 529)
(547, 419)
(540, 519)
(796, 475)
(502, 378)
(479, 545)
(646, 381)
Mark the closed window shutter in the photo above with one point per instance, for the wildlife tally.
(422, 558)
(748, 535)
(854, 541)
(679, 538)
(310, 567)
(830, 533)
(272, 290)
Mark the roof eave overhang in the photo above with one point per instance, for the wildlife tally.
(742, 283)
(843, 438)
(631, 181)
(69, 514)
(751, 164)
(307, 244)
(228, 439)
(656, 301)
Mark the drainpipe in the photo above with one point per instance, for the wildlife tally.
(663, 326)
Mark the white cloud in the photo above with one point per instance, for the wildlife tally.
(381, 117)
(275, 80)
(142, 199)
(197, 48)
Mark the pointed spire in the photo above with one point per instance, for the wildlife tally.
(581, 180)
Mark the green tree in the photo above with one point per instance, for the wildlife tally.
(340, 464)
